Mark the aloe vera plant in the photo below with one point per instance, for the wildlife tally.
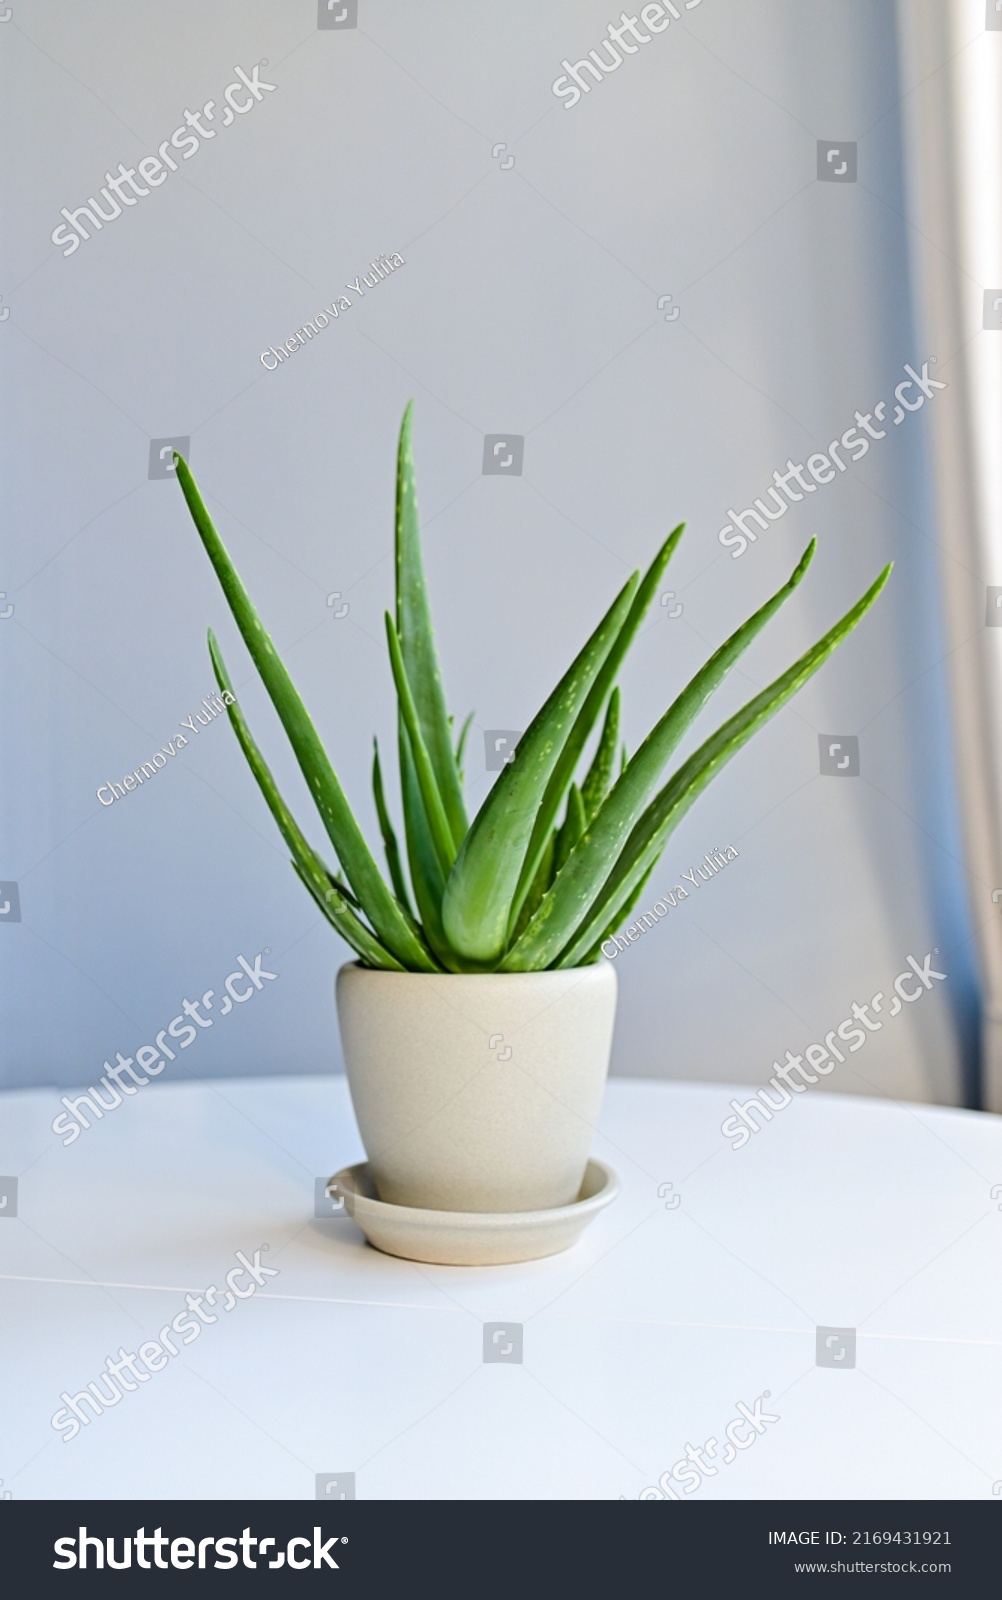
(556, 858)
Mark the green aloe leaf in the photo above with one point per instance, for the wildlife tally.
(596, 784)
(624, 912)
(540, 884)
(390, 844)
(336, 909)
(461, 744)
(427, 877)
(331, 896)
(514, 892)
(571, 897)
(654, 828)
(571, 830)
(589, 715)
(438, 822)
(417, 640)
(392, 925)
(479, 892)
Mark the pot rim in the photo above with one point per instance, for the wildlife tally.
(543, 972)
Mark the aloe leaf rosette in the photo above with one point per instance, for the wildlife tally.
(554, 859)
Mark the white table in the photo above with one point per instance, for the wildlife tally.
(643, 1339)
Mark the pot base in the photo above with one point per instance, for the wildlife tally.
(471, 1238)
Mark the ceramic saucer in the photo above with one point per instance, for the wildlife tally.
(471, 1238)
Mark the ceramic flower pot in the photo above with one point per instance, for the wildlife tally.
(477, 1093)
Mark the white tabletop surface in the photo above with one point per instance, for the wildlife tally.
(644, 1338)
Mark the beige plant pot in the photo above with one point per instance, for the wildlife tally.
(477, 1092)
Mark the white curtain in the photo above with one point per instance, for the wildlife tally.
(951, 81)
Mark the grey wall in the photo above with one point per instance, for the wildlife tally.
(528, 302)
